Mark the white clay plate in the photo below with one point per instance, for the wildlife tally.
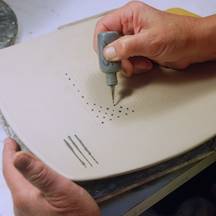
(54, 96)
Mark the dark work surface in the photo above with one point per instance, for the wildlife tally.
(110, 187)
(202, 186)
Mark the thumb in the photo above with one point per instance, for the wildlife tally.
(126, 46)
(37, 173)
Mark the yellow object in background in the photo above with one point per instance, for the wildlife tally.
(180, 11)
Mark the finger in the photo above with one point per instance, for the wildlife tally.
(108, 23)
(38, 174)
(127, 46)
(141, 64)
(14, 179)
(119, 20)
(127, 68)
(136, 65)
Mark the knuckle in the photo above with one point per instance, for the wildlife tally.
(157, 45)
(100, 26)
(39, 174)
(123, 48)
(135, 4)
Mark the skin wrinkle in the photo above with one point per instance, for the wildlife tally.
(41, 178)
(61, 202)
(59, 192)
(126, 22)
(117, 24)
(135, 19)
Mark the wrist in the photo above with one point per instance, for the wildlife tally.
(204, 33)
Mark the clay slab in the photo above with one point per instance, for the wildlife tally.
(53, 95)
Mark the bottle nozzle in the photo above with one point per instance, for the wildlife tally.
(113, 94)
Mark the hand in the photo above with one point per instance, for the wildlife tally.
(150, 34)
(38, 190)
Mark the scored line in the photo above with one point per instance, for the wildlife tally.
(78, 149)
(86, 149)
(71, 148)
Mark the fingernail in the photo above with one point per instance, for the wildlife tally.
(22, 162)
(110, 53)
(148, 64)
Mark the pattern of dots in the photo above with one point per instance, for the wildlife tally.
(102, 113)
